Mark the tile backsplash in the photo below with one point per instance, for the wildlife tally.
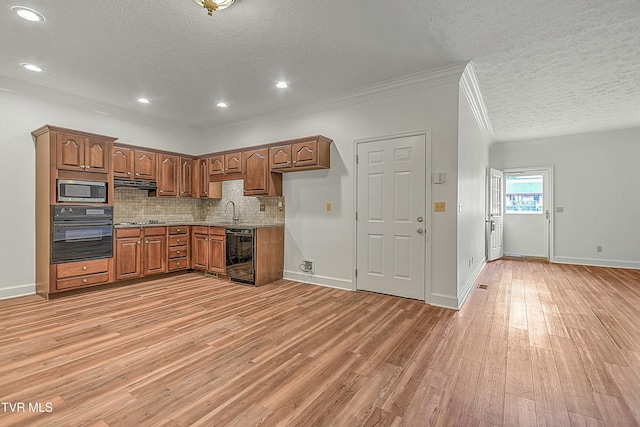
(135, 206)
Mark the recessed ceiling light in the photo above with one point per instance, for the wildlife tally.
(282, 85)
(31, 67)
(143, 100)
(222, 104)
(28, 14)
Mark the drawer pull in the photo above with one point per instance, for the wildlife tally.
(178, 240)
(178, 264)
(84, 268)
(84, 280)
(178, 252)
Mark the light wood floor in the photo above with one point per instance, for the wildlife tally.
(544, 344)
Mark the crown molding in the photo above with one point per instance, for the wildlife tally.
(471, 90)
(409, 83)
(21, 88)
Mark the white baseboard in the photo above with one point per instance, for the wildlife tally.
(442, 300)
(597, 262)
(468, 285)
(17, 291)
(313, 279)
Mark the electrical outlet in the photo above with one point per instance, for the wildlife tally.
(157, 208)
(598, 248)
(262, 207)
(308, 265)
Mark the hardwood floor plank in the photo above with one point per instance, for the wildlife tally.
(195, 350)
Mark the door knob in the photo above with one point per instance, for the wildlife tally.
(420, 230)
(420, 219)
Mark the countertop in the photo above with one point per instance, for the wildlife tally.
(193, 223)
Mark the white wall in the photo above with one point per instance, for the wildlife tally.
(18, 117)
(596, 182)
(473, 160)
(327, 237)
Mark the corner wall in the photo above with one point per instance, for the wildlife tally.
(596, 184)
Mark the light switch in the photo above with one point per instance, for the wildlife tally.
(328, 208)
(438, 206)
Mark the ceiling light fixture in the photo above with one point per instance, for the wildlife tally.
(28, 14)
(31, 67)
(222, 104)
(212, 6)
(143, 100)
(282, 85)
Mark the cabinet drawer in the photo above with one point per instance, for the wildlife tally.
(178, 240)
(178, 264)
(177, 252)
(216, 231)
(77, 282)
(155, 231)
(199, 229)
(82, 268)
(178, 229)
(128, 232)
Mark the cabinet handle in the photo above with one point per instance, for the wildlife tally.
(162, 191)
(178, 230)
(137, 173)
(178, 252)
(178, 240)
(84, 280)
(295, 161)
(88, 167)
(146, 241)
(84, 268)
(139, 242)
(128, 173)
(178, 264)
(82, 166)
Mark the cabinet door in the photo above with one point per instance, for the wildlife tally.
(217, 254)
(233, 163)
(305, 154)
(199, 251)
(256, 172)
(216, 165)
(97, 155)
(186, 177)
(122, 162)
(280, 157)
(145, 165)
(168, 175)
(155, 254)
(203, 178)
(128, 258)
(70, 152)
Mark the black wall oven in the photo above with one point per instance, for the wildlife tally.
(80, 233)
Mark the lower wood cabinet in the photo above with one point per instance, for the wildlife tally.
(208, 249)
(83, 273)
(140, 252)
(178, 253)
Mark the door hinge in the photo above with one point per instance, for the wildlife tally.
(356, 216)
(356, 272)
(357, 159)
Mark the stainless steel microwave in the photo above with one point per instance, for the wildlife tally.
(71, 190)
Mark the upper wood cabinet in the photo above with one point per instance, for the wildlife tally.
(123, 162)
(301, 154)
(145, 165)
(79, 153)
(167, 175)
(186, 177)
(258, 178)
(225, 166)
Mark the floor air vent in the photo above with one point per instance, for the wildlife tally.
(482, 286)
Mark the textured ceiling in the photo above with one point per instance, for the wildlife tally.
(544, 68)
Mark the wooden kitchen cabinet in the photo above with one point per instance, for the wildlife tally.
(154, 251)
(226, 166)
(204, 187)
(178, 254)
(167, 175)
(186, 177)
(258, 178)
(122, 162)
(128, 253)
(208, 249)
(78, 153)
(144, 163)
(301, 154)
(82, 273)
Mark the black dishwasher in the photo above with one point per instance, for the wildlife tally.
(240, 255)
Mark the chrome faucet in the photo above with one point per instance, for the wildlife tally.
(235, 217)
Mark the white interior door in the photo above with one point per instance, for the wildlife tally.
(496, 214)
(527, 215)
(391, 220)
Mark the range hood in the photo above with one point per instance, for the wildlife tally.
(133, 183)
